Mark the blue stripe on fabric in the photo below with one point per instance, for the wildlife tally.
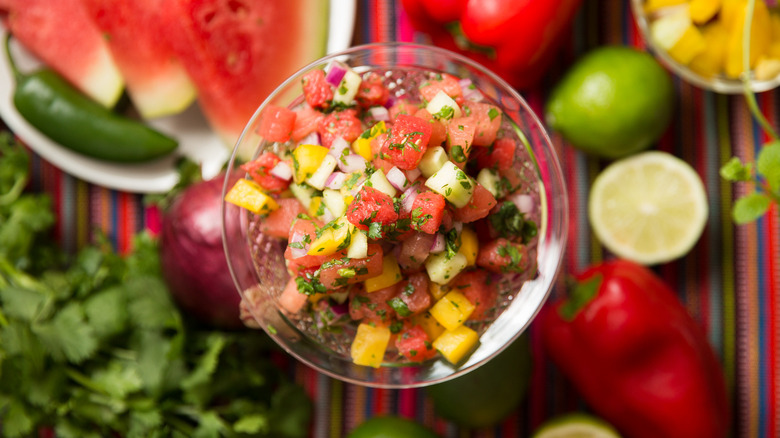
(761, 298)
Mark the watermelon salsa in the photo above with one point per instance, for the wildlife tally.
(408, 205)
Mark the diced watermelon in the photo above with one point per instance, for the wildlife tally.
(402, 107)
(460, 135)
(236, 55)
(438, 129)
(478, 207)
(382, 165)
(407, 142)
(369, 206)
(427, 212)
(414, 294)
(474, 284)
(290, 299)
(414, 251)
(342, 271)
(344, 124)
(502, 255)
(372, 91)
(445, 82)
(307, 120)
(157, 83)
(487, 121)
(371, 306)
(414, 344)
(279, 222)
(62, 35)
(500, 156)
(276, 123)
(259, 169)
(316, 90)
(303, 230)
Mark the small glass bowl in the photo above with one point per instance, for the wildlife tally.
(718, 83)
(261, 282)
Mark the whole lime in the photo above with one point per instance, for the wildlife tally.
(488, 394)
(614, 101)
(390, 427)
(576, 425)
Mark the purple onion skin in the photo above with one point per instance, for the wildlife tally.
(192, 257)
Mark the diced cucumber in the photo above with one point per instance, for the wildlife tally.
(432, 160)
(320, 176)
(348, 88)
(379, 181)
(303, 193)
(358, 247)
(443, 107)
(490, 180)
(452, 183)
(334, 200)
(441, 269)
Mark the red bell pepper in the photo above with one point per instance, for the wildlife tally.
(636, 355)
(517, 39)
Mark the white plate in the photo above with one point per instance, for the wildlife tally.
(196, 140)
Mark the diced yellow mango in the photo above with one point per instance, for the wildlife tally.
(469, 245)
(774, 22)
(767, 68)
(333, 238)
(760, 39)
(391, 274)
(306, 160)
(654, 5)
(429, 324)
(710, 61)
(729, 12)
(437, 290)
(362, 145)
(452, 310)
(676, 34)
(455, 344)
(774, 50)
(702, 11)
(369, 346)
(248, 194)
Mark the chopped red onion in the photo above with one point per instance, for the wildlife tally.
(297, 253)
(458, 226)
(337, 147)
(390, 102)
(312, 138)
(396, 178)
(413, 174)
(354, 191)
(438, 244)
(282, 170)
(379, 113)
(352, 163)
(336, 180)
(408, 199)
(524, 203)
(335, 74)
(470, 92)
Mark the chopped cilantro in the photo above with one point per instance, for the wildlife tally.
(375, 231)
(510, 223)
(400, 307)
(493, 113)
(457, 154)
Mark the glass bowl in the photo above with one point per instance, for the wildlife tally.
(718, 83)
(260, 281)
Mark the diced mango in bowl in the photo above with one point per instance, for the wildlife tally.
(707, 35)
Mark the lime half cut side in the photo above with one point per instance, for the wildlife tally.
(650, 208)
(576, 426)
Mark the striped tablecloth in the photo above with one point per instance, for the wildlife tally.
(730, 281)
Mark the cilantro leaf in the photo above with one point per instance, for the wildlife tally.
(750, 207)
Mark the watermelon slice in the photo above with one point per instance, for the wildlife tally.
(238, 51)
(61, 35)
(156, 82)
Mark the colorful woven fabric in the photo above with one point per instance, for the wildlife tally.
(730, 281)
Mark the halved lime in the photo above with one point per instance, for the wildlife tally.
(576, 426)
(650, 207)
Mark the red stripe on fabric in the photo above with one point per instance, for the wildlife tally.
(404, 29)
(699, 161)
(407, 403)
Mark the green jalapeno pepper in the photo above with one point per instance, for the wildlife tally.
(70, 118)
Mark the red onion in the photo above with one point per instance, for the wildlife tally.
(336, 180)
(352, 163)
(379, 113)
(438, 244)
(408, 199)
(312, 138)
(524, 203)
(458, 226)
(282, 170)
(297, 253)
(337, 147)
(335, 74)
(469, 91)
(413, 174)
(396, 178)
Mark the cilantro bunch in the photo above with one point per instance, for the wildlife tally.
(93, 345)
